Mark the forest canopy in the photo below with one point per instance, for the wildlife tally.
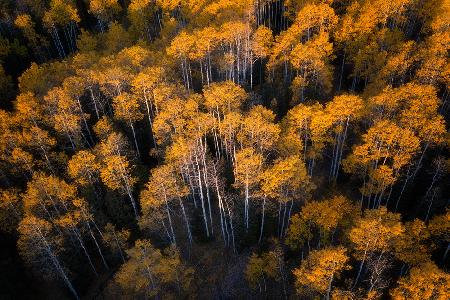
(224, 149)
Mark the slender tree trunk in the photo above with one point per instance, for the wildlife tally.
(135, 140)
(188, 227)
(80, 240)
(246, 204)
(341, 150)
(361, 266)
(342, 72)
(419, 164)
(118, 246)
(403, 189)
(329, 287)
(84, 120)
(289, 214)
(169, 216)
(200, 186)
(205, 178)
(262, 220)
(94, 101)
(444, 257)
(56, 262)
(97, 245)
(150, 121)
(283, 218)
(230, 215)
(223, 224)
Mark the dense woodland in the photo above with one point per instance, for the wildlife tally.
(224, 149)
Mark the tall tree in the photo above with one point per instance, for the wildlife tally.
(426, 281)
(319, 269)
(162, 189)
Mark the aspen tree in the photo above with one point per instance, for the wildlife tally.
(296, 129)
(426, 281)
(10, 151)
(116, 175)
(343, 110)
(319, 269)
(74, 87)
(226, 215)
(104, 129)
(236, 37)
(311, 62)
(141, 15)
(328, 215)
(375, 232)
(225, 10)
(126, 108)
(206, 42)
(364, 25)
(386, 149)
(116, 38)
(229, 129)
(261, 268)
(84, 65)
(54, 200)
(62, 14)
(399, 62)
(65, 115)
(342, 294)
(320, 128)
(84, 168)
(113, 143)
(104, 11)
(39, 141)
(298, 232)
(259, 130)
(305, 130)
(173, 118)
(285, 181)
(360, 85)
(261, 44)
(30, 109)
(224, 97)
(87, 44)
(432, 53)
(38, 79)
(247, 168)
(180, 48)
(312, 19)
(162, 189)
(116, 240)
(412, 247)
(224, 101)
(23, 160)
(134, 58)
(137, 275)
(197, 128)
(166, 91)
(168, 5)
(35, 40)
(36, 235)
(439, 229)
(144, 85)
(415, 107)
(113, 78)
(25, 23)
(148, 270)
(114, 153)
(190, 158)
